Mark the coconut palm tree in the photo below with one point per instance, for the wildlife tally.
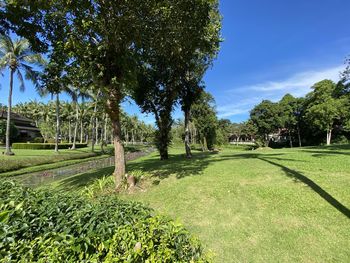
(96, 100)
(76, 93)
(17, 57)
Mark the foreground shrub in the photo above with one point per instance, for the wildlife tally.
(45, 146)
(38, 226)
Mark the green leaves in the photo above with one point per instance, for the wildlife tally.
(39, 226)
(323, 109)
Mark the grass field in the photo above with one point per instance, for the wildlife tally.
(32, 158)
(288, 205)
(28, 161)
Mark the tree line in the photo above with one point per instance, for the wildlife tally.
(83, 122)
(155, 52)
(321, 116)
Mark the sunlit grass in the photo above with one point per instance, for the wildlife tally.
(258, 206)
(288, 205)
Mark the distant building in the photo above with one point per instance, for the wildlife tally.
(27, 130)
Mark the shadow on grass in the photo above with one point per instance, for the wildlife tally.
(82, 180)
(181, 167)
(328, 150)
(177, 165)
(318, 189)
(271, 159)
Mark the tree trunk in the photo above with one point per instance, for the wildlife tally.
(329, 136)
(267, 140)
(92, 134)
(187, 133)
(163, 134)
(75, 126)
(105, 129)
(81, 130)
(194, 140)
(141, 137)
(132, 137)
(8, 122)
(205, 144)
(70, 131)
(96, 130)
(57, 121)
(127, 137)
(113, 109)
(299, 138)
(290, 139)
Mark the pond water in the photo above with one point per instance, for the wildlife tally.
(49, 176)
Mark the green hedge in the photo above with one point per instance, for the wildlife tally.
(41, 226)
(45, 146)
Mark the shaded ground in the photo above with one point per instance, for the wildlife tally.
(73, 177)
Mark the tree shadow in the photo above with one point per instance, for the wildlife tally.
(294, 174)
(84, 179)
(328, 150)
(316, 153)
(319, 190)
(177, 165)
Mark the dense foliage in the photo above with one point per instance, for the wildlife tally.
(319, 117)
(13, 131)
(38, 226)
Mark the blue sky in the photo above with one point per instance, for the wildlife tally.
(271, 47)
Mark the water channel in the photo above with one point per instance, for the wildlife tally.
(49, 176)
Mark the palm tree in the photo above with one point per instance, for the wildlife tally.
(76, 93)
(17, 56)
(95, 96)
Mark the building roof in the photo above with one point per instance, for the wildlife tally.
(27, 128)
(14, 117)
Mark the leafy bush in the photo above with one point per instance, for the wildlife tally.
(45, 146)
(102, 186)
(340, 140)
(38, 140)
(13, 131)
(38, 226)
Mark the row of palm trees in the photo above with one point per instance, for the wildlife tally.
(81, 120)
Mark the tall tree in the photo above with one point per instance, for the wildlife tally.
(17, 57)
(178, 63)
(205, 120)
(289, 113)
(266, 117)
(323, 108)
(105, 39)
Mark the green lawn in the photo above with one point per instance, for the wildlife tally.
(28, 161)
(258, 206)
(25, 161)
(288, 205)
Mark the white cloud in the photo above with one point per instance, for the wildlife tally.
(301, 81)
(242, 107)
(298, 85)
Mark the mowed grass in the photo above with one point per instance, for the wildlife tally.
(288, 205)
(31, 159)
(28, 161)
